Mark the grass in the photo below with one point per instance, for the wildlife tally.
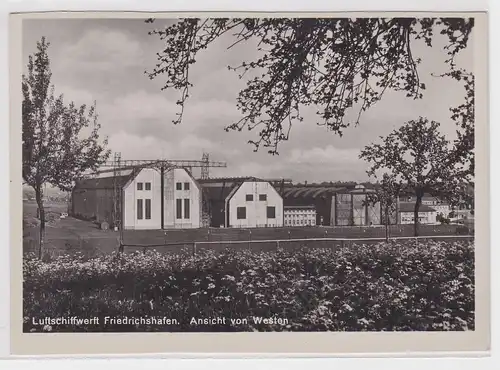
(72, 235)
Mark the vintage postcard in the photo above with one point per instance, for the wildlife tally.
(299, 184)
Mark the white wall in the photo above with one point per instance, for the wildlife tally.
(424, 217)
(131, 194)
(256, 210)
(299, 217)
(193, 194)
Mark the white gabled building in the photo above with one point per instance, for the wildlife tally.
(141, 194)
(254, 203)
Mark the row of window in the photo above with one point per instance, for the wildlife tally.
(241, 212)
(141, 186)
(179, 208)
(262, 197)
(299, 215)
(144, 209)
(147, 186)
(178, 186)
(299, 222)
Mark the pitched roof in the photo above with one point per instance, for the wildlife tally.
(103, 182)
(300, 207)
(410, 207)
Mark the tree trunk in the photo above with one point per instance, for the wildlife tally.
(415, 213)
(41, 212)
(386, 224)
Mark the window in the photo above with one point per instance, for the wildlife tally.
(148, 208)
(139, 186)
(178, 209)
(241, 213)
(186, 208)
(263, 197)
(178, 186)
(271, 212)
(186, 186)
(148, 186)
(139, 209)
(249, 197)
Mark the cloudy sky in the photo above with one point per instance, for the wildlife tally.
(104, 60)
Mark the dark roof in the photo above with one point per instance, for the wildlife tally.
(410, 207)
(300, 207)
(103, 182)
(228, 179)
(218, 193)
(309, 191)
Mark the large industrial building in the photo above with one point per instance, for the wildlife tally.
(140, 196)
(337, 206)
(165, 195)
(241, 202)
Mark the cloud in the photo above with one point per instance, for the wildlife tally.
(102, 49)
(78, 96)
(328, 155)
(151, 114)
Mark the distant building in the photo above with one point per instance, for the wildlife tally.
(338, 206)
(242, 202)
(442, 207)
(299, 216)
(406, 213)
(141, 193)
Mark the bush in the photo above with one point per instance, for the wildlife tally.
(377, 287)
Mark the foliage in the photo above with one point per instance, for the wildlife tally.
(386, 286)
(386, 195)
(442, 219)
(419, 157)
(54, 149)
(334, 64)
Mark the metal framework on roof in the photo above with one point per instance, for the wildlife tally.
(113, 166)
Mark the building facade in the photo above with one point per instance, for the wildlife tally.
(254, 203)
(406, 214)
(145, 204)
(299, 216)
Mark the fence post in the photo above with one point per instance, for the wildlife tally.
(194, 249)
(277, 244)
(120, 245)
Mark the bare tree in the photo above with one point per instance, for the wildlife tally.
(334, 64)
(55, 149)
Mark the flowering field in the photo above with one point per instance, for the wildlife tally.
(395, 286)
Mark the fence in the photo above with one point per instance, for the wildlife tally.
(275, 244)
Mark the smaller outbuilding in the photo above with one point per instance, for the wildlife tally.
(406, 213)
(299, 215)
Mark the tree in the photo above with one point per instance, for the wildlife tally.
(386, 195)
(334, 64)
(420, 158)
(55, 149)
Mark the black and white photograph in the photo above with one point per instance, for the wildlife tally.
(249, 174)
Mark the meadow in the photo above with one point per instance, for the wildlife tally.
(396, 286)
